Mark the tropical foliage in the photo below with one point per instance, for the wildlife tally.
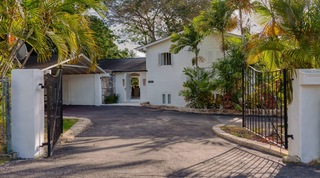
(243, 6)
(45, 27)
(199, 88)
(145, 21)
(188, 38)
(290, 37)
(218, 18)
(228, 73)
(105, 39)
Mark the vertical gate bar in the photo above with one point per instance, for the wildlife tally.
(274, 94)
(254, 98)
(269, 118)
(280, 117)
(61, 103)
(261, 97)
(251, 98)
(2, 119)
(285, 107)
(48, 83)
(8, 116)
(261, 100)
(243, 96)
(282, 85)
(266, 100)
(275, 117)
(272, 131)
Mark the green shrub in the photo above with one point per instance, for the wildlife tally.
(228, 73)
(198, 89)
(111, 99)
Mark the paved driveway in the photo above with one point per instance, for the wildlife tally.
(143, 142)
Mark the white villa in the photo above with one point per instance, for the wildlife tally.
(156, 79)
(165, 70)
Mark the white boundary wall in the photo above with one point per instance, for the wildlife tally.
(304, 116)
(27, 112)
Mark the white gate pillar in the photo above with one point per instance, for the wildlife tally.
(27, 112)
(304, 115)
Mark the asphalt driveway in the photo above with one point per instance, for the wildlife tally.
(144, 142)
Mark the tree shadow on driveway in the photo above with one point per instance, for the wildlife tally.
(232, 164)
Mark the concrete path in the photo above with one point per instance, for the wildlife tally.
(142, 142)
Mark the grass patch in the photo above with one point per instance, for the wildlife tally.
(241, 132)
(4, 160)
(68, 123)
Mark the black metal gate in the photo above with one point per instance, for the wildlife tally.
(5, 117)
(264, 104)
(53, 107)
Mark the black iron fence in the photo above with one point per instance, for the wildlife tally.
(5, 120)
(264, 104)
(53, 108)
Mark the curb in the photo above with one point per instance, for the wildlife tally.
(264, 147)
(222, 112)
(76, 129)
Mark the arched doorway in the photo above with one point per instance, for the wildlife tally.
(135, 86)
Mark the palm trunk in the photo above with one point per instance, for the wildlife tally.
(241, 28)
(27, 58)
(196, 62)
(223, 45)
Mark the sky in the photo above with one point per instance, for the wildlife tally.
(131, 46)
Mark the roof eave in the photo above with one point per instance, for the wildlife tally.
(144, 48)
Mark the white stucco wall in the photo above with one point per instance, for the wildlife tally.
(27, 112)
(84, 89)
(168, 79)
(304, 114)
(122, 83)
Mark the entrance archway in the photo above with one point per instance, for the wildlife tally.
(135, 86)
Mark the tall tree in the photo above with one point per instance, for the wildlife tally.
(188, 38)
(290, 37)
(105, 39)
(45, 25)
(218, 18)
(145, 21)
(244, 6)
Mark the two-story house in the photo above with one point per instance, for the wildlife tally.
(165, 75)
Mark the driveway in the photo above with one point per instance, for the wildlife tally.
(144, 142)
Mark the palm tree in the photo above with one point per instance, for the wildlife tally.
(244, 6)
(290, 37)
(217, 18)
(44, 26)
(188, 38)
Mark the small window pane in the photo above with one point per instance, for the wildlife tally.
(163, 98)
(165, 59)
(169, 98)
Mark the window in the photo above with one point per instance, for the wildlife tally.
(163, 98)
(166, 98)
(169, 98)
(165, 59)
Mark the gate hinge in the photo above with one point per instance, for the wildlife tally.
(44, 144)
(41, 85)
(290, 136)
